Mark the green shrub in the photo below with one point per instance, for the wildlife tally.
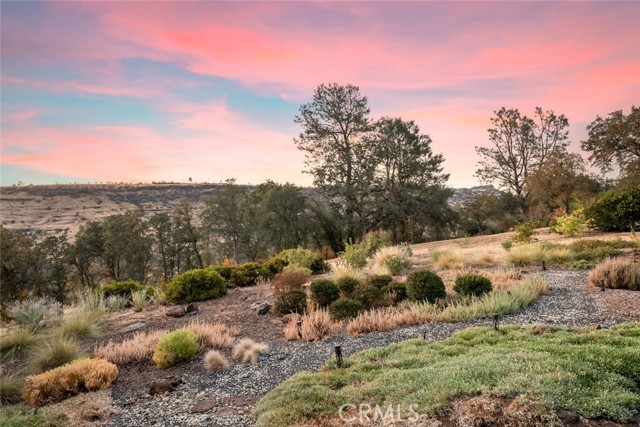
(10, 389)
(379, 281)
(225, 271)
(472, 285)
(58, 350)
(347, 285)
(324, 292)
(80, 325)
(195, 285)
(368, 295)
(175, 347)
(425, 285)
(507, 245)
(117, 302)
(140, 300)
(123, 288)
(35, 314)
(295, 268)
(616, 210)
(354, 255)
(246, 274)
(292, 302)
(345, 308)
(583, 264)
(305, 258)
(569, 225)
(399, 289)
(20, 416)
(525, 230)
(274, 265)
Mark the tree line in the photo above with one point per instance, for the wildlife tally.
(369, 174)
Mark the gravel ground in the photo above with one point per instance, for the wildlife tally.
(234, 392)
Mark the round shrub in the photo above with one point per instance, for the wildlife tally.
(275, 265)
(195, 285)
(324, 292)
(345, 308)
(293, 302)
(368, 295)
(121, 289)
(616, 210)
(284, 283)
(305, 258)
(379, 281)
(472, 285)
(399, 289)
(225, 271)
(347, 285)
(583, 264)
(425, 285)
(246, 274)
(175, 347)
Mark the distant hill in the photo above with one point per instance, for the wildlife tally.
(43, 210)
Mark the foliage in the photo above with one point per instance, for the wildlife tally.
(616, 274)
(571, 225)
(195, 285)
(614, 140)
(446, 260)
(117, 302)
(485, 213)
(520, 146)
(347, 285)
(134, 349)
(275, 265)
(56, 351)
(175, 347)
(368, 295)
(246, 274)
(316, 325)
(525, 230)
(10, 389)
(543, 364)
(69, 380)
(424, 285)
(472, 284)
(345, 308)
(399, 290)
(284, 283)
(81, 325)
(35, 314)
(392, 258)
(292, 302)
(583, 264)
(616, 210)
(379, 281)
(16, 342)
(324, 292)
(507, 245)
(140, 300)
(214, 335)
(295, 268)
(123, 288)
(354, 255)
(524, 255)
(305, 258)
(19, 416)
(225, 271)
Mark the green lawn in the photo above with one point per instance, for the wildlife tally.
(593, 372)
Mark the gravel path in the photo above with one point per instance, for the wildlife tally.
(234, 392)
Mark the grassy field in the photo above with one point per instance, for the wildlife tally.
(590, 371)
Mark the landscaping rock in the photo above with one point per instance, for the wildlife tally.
(569, 418)
(133, 327)
(264, 308)
(175, 312)
(165, 385)
(204, 406)
(192, 308)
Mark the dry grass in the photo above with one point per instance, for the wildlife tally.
(214, 335)
(486, 258)
(447, 260)
(74, 378)
(558, 255)
(16, 342)
(521, 256)
(291, 331)
(316, 325)
(341, 270)
(137, 348)
(248, 351)
(81, 325)
(56, 351)
(390, 260)
(214, 362)
(502, 279)
(616, 274)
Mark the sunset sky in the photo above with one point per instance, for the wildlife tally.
(153, 91)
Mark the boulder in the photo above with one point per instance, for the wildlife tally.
(175, 312)
(264, 308)
(204, 406)
(191, 308)
(165, 385)
(133, 327)
(569, 418)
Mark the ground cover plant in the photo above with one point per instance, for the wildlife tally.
(20, 416)
(590, 371)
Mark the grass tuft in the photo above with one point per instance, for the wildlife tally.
(56, 351)
(248, 351)
(135, 349)
(16, 342)
(214, 362)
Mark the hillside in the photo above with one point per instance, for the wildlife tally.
(44, 210)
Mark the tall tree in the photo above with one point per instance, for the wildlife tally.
(19, 264)
(333, 126)
(85, 254)
(186, 236)
(409, 180)
(615, 140)
(127, 246)
(520, 146)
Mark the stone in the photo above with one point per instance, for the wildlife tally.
(204, 406)
(175, 312)
(287, 317)
(264, 308)
(570, 418)
(133, 327)
(596, 326)
(192, 308)
(165, 385)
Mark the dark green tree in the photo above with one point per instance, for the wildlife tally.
(85, 254)
(19, 262)
(127, 246)
(520, 146)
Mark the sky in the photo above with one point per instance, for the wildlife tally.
(105, 91)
